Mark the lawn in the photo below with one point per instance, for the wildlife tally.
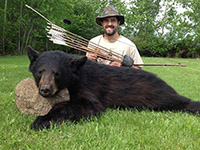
(115, 129)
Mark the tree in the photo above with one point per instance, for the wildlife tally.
(4, 22)
(141, 25)
(151, 24)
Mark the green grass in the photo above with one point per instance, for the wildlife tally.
(115, 129)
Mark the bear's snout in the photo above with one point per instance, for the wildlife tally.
(47, 85)
(45, 90)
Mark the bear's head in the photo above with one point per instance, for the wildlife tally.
(53, 70)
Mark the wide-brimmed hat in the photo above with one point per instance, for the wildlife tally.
(110, 11)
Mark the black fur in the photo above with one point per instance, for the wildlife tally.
(94, 87)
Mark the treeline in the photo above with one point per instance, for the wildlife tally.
(154, 25)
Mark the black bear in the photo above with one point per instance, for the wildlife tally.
(94, 87)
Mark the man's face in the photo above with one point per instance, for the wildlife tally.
(110, 25)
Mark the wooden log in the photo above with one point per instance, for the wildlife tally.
(28, 100)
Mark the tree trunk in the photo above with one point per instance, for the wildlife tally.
(19, 32)
(47, 45)
(28, 37)
(5, 9)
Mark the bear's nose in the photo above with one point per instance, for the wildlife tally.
(45, 90)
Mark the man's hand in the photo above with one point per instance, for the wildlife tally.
(114, 63)
(136, 67)
(92, 56)
(128, 61)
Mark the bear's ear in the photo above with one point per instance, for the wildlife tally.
(78, 63)
(32, 54)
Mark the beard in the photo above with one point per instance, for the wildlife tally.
(110, 33)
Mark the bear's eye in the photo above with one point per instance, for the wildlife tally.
(56, 74)
(40, 72)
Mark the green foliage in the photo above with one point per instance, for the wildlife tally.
(142, 24)
(23, 27)
(115, 129)
(170, 34)
(154, 24)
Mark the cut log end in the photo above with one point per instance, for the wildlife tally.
(28, 100)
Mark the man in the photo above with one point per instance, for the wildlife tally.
(110, 21)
